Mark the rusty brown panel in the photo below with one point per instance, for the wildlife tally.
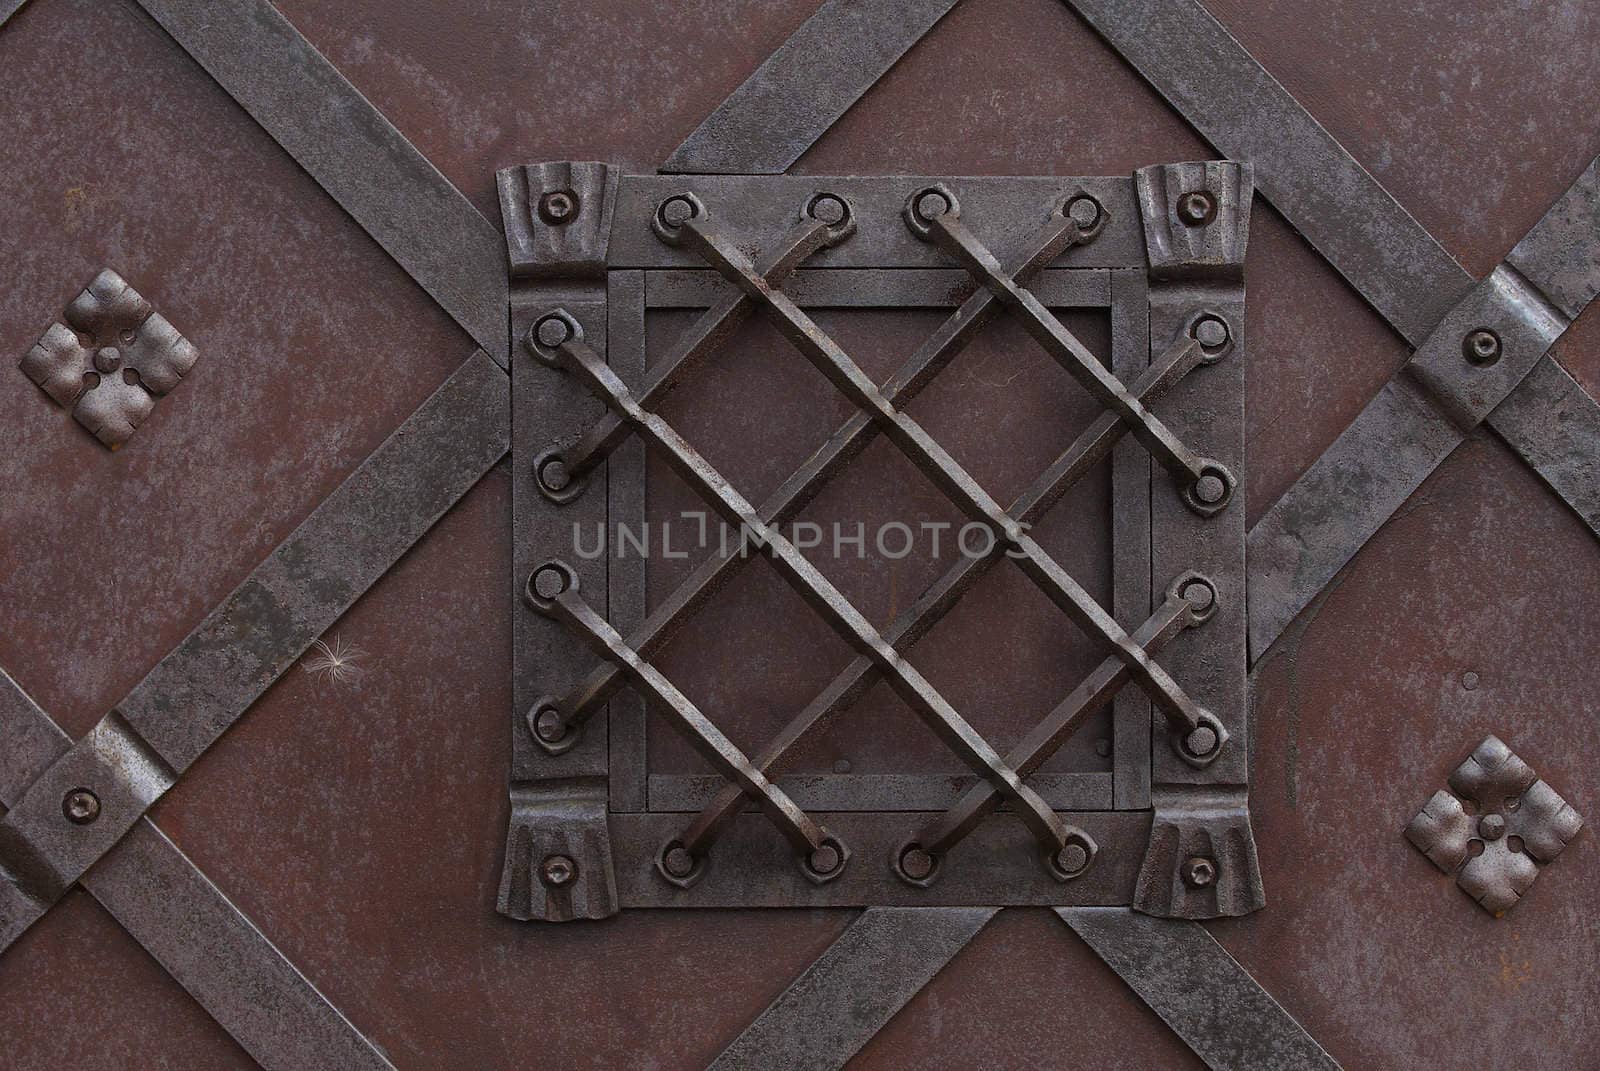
(360, 824)
(757, 654)
(1318, 353)
(1476, 116)
(80, 993)
(1007, 87)
(1579, 349)
(1026, 993)
(313, 347)
(486, 84)
(1470, 613)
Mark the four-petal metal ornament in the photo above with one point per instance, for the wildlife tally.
(1520, 823)
(111, 359)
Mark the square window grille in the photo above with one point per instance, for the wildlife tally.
(1166, 827)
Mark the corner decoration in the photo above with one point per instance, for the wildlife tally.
(111, 360)
(1520, 823)
(1166, 829)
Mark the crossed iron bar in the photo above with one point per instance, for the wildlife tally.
(457, 257)
(932, 214)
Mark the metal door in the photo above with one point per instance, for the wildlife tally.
(329, 319)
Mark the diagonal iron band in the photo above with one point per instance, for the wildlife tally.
(873, 969)
(186, 923)
(205, 684)
(1088, 450)
(353, 152)
(942, 470)
(1200, 991)
(804, 87)
(802, 486)
(1444, 391)
(818, 591)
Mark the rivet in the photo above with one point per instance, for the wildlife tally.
(553, 475)
(1201, 742)
(1084, 211)
(108, 360)
(1211, 332)
(558, 207)
(557, 870)
(1198, 871)
(549, 582)
(824, 859)
(1102, 747)
(1072, 858)
(1481, 347)
(1470, 680)
(1210, 489)
(552, 331)
(676, 211)
(1197, 208)
(549, 726)
(1199, 594)
(827, 208)
(841, 766)
(1492, 826)
(931, 205)
(81, 806)
(678, 862)
(916, 863)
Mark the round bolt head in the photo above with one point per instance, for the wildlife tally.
(1198, 872)
(825, 860)
(108, 360)
(558, 870)
(829, 209)
(931, 205)
(1072, 858)
(558, 207)
(553, 475)
(1210, 489)
(1201, 742)
(1102, 747)
(1084, 211)
(678, 862)
(1481, 347)
(549, 725)
(916, 863)
(1211, 332)
(1492, 826)
(1199, 594)
(676, 211)
(1197, 208)
(549, 582)
(552, 331)
(81, 806)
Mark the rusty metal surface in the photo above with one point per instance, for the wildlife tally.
(801, 89)
(1482, 560)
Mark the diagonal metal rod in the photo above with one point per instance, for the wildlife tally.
(820, 593)
(1088, 450)
(944, 832)
(952, 236)
(713, 328)
(796, 826)
(942, 469)
(799, 489)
